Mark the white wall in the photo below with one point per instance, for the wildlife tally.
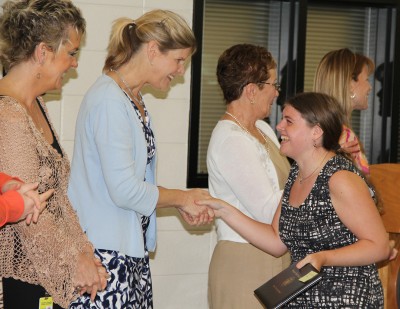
(180, 264)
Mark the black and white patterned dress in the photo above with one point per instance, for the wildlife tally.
(315, 226)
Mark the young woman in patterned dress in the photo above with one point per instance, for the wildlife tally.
(321, 217)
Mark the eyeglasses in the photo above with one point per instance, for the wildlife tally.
(276, 85)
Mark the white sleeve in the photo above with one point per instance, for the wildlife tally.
(250, 175)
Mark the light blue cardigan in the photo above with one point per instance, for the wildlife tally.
(108, 167)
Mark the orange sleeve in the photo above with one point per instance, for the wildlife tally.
(3, 179)
(11, 203)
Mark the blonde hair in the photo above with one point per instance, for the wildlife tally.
(335, 72)
(25, 24)
(168, 29)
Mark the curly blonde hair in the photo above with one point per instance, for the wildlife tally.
(24, 24)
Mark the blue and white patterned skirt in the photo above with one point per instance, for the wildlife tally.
(128, 287)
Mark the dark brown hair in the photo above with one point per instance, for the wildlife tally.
(241, 65)
(323, 110)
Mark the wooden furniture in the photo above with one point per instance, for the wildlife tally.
(386, 180)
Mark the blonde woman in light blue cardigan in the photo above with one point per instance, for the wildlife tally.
(113, 185)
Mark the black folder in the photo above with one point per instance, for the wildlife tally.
(287, 285)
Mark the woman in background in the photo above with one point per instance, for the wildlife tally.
(245, 169)
(322, 214)
(113, 183)
(344, 75)
(39, 40)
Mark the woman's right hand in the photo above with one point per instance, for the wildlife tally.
(34, 203)
(90, 276)
(217, 205)
(351, 147)
(192, 212)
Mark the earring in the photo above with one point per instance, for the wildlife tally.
(353, 96)
(38, 75)
(314, 143)
(252, 101)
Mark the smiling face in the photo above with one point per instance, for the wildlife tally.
(62, 60)
(265, 97)
(296, 133)
(361, 89)
(168, 65)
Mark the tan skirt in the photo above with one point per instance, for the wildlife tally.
(236, 270)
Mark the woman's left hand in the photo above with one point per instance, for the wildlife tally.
(89, 277)
(315, 259)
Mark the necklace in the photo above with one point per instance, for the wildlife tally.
(138, 99)
(266, 144)
(301, 178)
(36, 117)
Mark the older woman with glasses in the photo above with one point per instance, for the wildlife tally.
(245, 169)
